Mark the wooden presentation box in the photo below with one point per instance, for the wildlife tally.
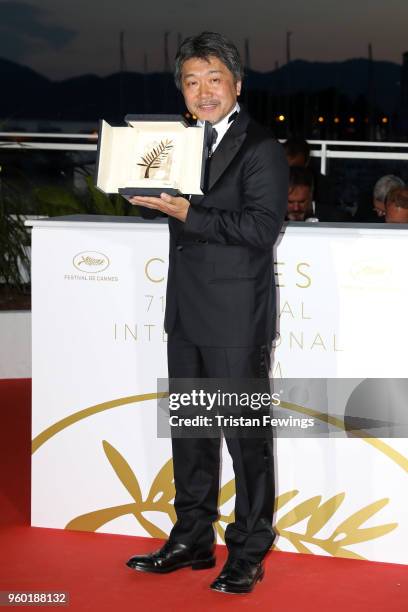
(152, 154)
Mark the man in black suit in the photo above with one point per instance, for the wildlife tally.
(220, 313)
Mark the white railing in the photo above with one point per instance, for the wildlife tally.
(344, 149)
(20, 140)
(323, 149)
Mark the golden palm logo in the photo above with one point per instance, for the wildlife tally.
(155, 158)
(314, 512)
(90, 261)
(162, 492)
(159, 498)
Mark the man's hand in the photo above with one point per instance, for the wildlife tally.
(173, 206)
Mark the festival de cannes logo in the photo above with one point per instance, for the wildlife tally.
(371, 273)
(91, 262)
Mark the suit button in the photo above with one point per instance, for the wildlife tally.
(179, 247)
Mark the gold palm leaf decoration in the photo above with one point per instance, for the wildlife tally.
(318, 515)
(154, 158)
(160, 496)
(315, 513)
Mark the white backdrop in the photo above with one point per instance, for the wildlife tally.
(99, 346)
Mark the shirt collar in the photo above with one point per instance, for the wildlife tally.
(222, 126)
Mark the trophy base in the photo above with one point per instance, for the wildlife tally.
(144, 191)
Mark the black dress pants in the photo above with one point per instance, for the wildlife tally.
(197, 460)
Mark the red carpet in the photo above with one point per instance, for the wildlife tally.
(90, 566)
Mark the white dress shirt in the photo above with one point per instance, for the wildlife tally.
(222, 126)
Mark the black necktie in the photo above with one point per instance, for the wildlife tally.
(213, 134)
(212, 139)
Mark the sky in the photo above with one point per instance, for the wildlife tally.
(66, 38)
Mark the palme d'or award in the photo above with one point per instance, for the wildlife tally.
(151, 154)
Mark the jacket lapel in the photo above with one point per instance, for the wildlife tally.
(228, 148)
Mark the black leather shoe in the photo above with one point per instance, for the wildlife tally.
(172, 556)
(238, 576)
(227, 567)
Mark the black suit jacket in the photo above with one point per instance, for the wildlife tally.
(221, 280)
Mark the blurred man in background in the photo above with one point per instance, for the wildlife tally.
(298, 154)
(300, 195)
(396, 206)
(382, 189)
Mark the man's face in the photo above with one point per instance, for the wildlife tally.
(299, 203)
(209, 89)
(379, 207)
(396, 214)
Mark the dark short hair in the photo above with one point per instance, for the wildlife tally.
(205, 45)
(295, 145)
(300, 176)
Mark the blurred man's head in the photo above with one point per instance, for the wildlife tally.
(396, 206)
(300, 194)
(209, 71)
(297, 151)
(381, 190)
